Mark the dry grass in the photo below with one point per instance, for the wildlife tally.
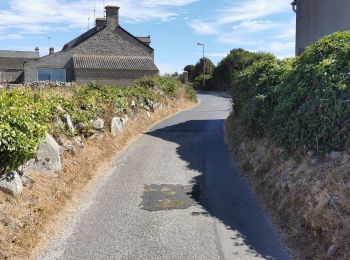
(309, 202)
(26, 221)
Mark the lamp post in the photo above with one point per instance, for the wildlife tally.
(202, 44)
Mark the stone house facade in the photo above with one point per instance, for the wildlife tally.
(12, 64)
(106, 54)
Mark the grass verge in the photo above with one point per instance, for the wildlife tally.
(308, 196)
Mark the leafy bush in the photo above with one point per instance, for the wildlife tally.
(302, 103)
(191, 94)
(24, 122)
(198, 82)
(255, 94)
(313, 109)
(237, 60)
(27, 115)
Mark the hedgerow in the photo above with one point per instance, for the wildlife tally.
(225, 73)
(256, 94)
(27, 115)
(314, 98)
(303, 103)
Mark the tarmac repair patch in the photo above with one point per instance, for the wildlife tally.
(167, 197)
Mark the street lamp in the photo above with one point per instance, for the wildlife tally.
(202, 44)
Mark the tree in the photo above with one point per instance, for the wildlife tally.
(199, 67)
(237, 60)
(190, 70)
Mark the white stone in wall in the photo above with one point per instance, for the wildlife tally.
(117, 126)
(98, 124)
(48, 159)
(11, 183)
(69, 123)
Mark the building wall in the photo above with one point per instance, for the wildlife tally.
(110, 77)
(105, 42)
(59, 60)
(318, 18)
(11, 69)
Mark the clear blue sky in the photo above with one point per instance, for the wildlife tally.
(174, 25)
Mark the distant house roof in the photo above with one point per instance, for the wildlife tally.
(19, 54)
(114, 62)
(95, 30)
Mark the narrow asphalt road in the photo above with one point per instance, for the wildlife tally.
(172, 194)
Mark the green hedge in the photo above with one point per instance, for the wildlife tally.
(256, 94)
(26, 115)
(303, 103)
(226, 72)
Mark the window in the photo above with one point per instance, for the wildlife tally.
(52, 75)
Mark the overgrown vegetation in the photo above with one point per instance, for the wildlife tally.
(26, 115)
(226, 72)
(302, 103)
(290, 131)
(196, 74)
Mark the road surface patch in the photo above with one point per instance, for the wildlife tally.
(167, 197)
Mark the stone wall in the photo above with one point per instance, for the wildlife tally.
(110, 77)
(105, 42)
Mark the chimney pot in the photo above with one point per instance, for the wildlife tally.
(112, 17)
(51, 51)
(100, 22)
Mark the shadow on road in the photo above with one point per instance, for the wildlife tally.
(219, 189)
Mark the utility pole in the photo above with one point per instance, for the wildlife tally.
(95, 12)
(203, 45)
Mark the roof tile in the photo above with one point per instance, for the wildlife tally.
(114, 62)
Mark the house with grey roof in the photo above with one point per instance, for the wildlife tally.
(12, 64)
(107, 54)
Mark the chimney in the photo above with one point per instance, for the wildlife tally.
(112, 16)
(100, 22)
(51, 51)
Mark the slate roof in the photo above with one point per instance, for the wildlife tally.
(114, 62)
(82, 38)
(19, 54)
(93, 31)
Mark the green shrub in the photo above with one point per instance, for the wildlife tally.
(302, 103)
(24, 122)
(237, 60)
(191, 93)
(313, 110)
(198, 82)
(168, 85)
(27, 115)
(255, 94)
